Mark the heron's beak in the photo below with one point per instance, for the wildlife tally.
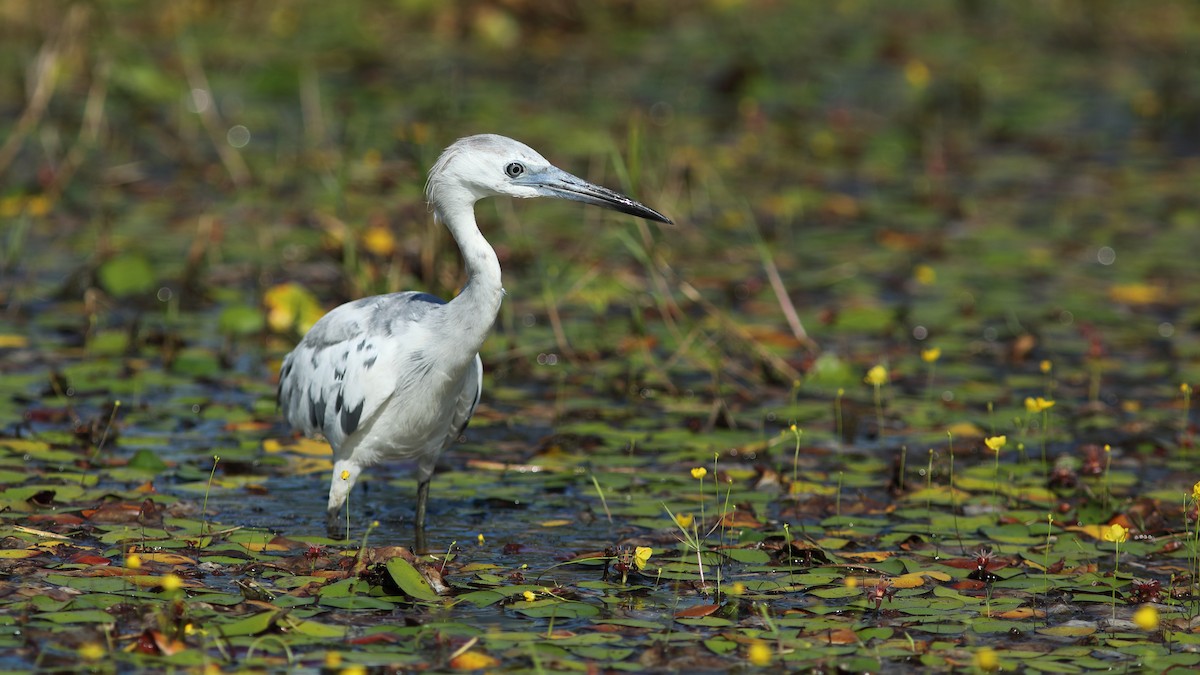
(555, 182)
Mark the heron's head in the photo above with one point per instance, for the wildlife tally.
(488, 165)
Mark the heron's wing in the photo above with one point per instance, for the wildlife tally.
(467, 401)
(464, 408)
(345, 368)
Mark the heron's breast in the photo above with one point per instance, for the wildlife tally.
(420, 411)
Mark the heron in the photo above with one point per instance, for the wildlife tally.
(398, 376)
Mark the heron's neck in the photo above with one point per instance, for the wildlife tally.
(473, 312)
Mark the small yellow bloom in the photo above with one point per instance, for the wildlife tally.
(1107, 448)
(473, 660)
(917, 74)
(1196, 491)
(737, 588)
(760, 653)
(333, 660)
(931, 355)
(1116, 534)
(133, 561)
(91, 651)
(925, 275)
(171, 583)
(529, 596)
(38, 205)
(379, 240)
(1146, 617)
(345, 474)
(986, 659)
(353, 669)
(480, 538)
(877, 376)
(851, 582)
(995, 443)
(793, 428)
(699, 472)
(1186, 389)
(684, 520)
(1037, 405)
(1046, 366)
(641, 555)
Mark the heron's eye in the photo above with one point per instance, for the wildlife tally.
(514, 169)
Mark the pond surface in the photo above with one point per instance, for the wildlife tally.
(909, 383)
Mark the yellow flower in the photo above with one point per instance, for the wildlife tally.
(480, 539)
(932, 354)
(133, 561)
(38, 205)
(1037, 405)
(877, 376)
(1116, 534)
(684, 520)
(925, 275)
(641, 555)
(1196, 491)
(333, 660)
(1146, 617)
(1046, 366)
(760, 653)
(986, 659)
(1186, 389)
(699, 472)
(916, 73)
(172, 582)
(91, 651)
(379, 240)
(529, 596)
(851, 582)
(737, 588)
(995, 443)
(345, 474)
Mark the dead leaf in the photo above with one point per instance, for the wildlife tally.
(696, 611)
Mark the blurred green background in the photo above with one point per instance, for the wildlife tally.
(961, 172)
(993, 200)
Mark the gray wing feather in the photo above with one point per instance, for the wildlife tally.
(468, 401)
(330, 382)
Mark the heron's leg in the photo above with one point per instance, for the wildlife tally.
(419, 519)
(345, 473)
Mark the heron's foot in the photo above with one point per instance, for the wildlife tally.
(336, 527)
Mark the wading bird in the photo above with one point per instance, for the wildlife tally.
(398, 376)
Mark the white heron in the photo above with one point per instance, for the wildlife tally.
(398, 376)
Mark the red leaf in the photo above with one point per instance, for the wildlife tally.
(696, 611)
(373, 639)
(89, 559)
